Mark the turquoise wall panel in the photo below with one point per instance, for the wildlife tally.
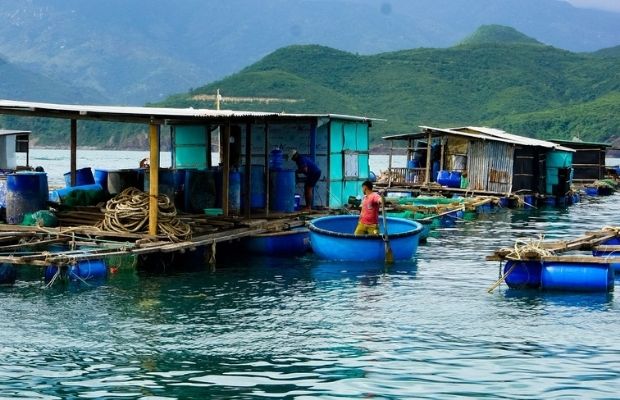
(190, 157)
(362, 137)
(336, 138)
(190, 146)
(364, 169)
(190, 135)
(335, 167)
(335, 194)
(351, 188)
(350, 136)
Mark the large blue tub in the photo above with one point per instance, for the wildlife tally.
(332, 238)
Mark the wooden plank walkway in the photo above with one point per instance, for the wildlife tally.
(588, 242)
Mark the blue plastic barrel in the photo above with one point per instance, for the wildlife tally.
(529, 200)
(84, 270)
(455, 179)
(101, 177)
(282, 190)
(576, 276)
(27, 192)
(591, 191)
(443, 178)
(199, 190)
(234, 191)
(3, 191)
(524, 275)
(257, 187)
(8, 274)
(83, 176)
(276, 159)
(450, 179)
(167, 185)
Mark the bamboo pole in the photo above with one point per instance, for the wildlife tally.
(153, 178)
(427, 179)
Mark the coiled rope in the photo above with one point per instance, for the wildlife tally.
(129, 212)
(521, 249)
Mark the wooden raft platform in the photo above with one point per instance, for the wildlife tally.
(29, 245)
(587, 242)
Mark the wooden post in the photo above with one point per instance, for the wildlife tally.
(225, 151)
(427, 179)
(73, 151)
(248, 170)
(153, 178)
(441, 155)
(266, 169)
(390, 163)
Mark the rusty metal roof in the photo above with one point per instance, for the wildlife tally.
(480, 133)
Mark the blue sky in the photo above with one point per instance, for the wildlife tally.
(611, 5)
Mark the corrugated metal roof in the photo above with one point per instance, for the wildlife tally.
(8, 132)
(481, 133)
(113, 113)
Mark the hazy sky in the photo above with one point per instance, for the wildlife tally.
(612, 5)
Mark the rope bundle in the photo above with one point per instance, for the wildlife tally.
(529, 248)
(129, 212)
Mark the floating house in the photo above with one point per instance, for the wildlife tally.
(252, 184)
(480, 160)
(588, 160)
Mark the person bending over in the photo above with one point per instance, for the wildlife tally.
(312, 173)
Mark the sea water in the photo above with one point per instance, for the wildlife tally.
(304, 328)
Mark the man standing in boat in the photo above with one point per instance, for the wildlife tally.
(368, 223)
(312, 173)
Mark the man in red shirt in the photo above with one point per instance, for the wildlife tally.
(369, 215)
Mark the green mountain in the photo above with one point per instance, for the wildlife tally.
(498, 77)
(497, 34)
(18, 83)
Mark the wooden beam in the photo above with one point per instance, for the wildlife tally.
(427, 178)
(248, 170)
(153, 178)
(225, 151)
(267, 169)
(73, 151)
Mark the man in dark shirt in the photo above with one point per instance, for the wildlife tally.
(312, 173)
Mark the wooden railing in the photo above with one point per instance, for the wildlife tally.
(407, 176)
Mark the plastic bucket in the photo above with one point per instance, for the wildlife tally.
(276, 159)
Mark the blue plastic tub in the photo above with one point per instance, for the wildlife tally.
(332, 238)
